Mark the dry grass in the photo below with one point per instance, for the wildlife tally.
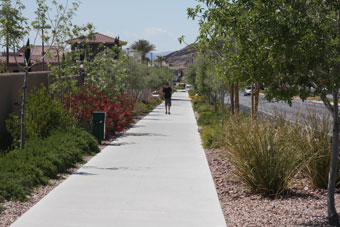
(263, 153)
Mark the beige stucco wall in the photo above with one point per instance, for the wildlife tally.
(10, 89)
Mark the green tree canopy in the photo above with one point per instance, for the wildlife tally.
(291, 46)
(13, 25)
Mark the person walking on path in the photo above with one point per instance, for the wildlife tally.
(167, 96)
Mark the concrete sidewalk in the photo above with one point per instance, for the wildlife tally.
(155, 175)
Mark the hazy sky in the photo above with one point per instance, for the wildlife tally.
(161, 22)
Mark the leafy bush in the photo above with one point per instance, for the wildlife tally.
(208, 118)
(154, 101)
(43, 114)
(197, 101)
(213, 136)
(180, 86)
(203, 107)
(118, 108)
(139, 109)
(22, 170)
(192, 92)
(264, 153)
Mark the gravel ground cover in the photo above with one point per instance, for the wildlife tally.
(304, 206)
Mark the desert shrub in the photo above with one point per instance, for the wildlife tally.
(213, 136)
(43, 114)
(22, 170)
(264, 154)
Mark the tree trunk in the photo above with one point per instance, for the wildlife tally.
(222, 103)
(257, 94)
(237, 100)
(333, 217)
(252, 100)
(59, 77)
(215, 103)
(7, 53)
(332, 214)
(23, 111)
(232, 100)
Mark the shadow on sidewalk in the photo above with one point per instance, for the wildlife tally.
(119, 144)
(141, 134)
(181, 100)
(84, 174)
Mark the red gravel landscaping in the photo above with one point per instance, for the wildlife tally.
(304, 206)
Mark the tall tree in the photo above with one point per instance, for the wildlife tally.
(42, 16)
(13, 25)
(297, 42)
(142, 47)
(160, 60)
(62, 32)
(304, 42)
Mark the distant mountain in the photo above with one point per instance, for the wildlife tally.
(182, 57)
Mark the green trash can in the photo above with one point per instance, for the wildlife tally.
(99, 120)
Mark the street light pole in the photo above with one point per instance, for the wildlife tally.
(151, 58)
(42, 51)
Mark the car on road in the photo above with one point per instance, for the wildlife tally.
(247, 91)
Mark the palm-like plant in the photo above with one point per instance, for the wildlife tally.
(142, 47)
(160, 60)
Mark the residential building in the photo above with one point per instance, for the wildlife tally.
(40, 63)
(95, 45)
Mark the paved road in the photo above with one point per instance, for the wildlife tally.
(298, 107)
(156, 175)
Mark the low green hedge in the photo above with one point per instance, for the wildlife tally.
(42, 159)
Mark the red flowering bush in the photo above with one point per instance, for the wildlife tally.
(89, 99)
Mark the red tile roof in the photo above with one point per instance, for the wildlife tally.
(36, 50)
(178, 67)
(36, 55)
(98, 38)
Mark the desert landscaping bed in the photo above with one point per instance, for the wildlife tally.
(304, 206)
(10, 211)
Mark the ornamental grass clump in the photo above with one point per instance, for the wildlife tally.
(316, 148)
(263, 153)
